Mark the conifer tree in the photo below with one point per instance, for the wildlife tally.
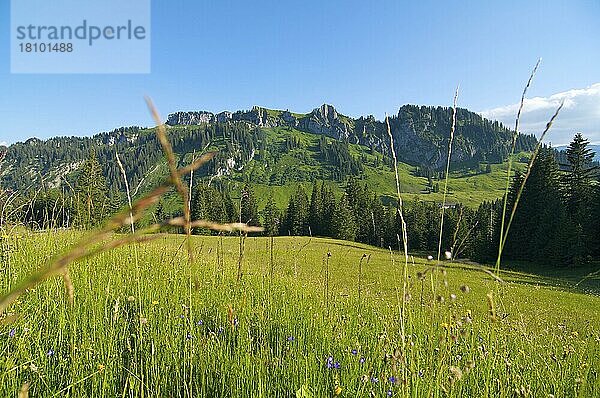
(579, 191)
(271, 217)
(249, 208)
(344, 226)
(315, 213)
(91, 191)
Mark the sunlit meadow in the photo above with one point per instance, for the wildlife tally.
(144, 323)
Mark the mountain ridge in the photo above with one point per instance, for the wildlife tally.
(272, 147)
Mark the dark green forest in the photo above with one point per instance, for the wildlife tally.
(557, 221)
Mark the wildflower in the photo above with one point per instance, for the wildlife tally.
(100, 367)
(181, 316)
(445, 325)
(50, 352)
(290, 338)
(220, 329)
(374, 379)
(155, 302)
(12, 333)
(143, 321)
(362, 360)
(200, 322)
(189, 336)
(421, 373)
(338, 390)
(392, 379)
(130, 299)
(354, 352)
(390, 393)
(329, 362)
(452, 296)
(235, 322)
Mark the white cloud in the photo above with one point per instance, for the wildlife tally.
(3, 143)
(581, 113)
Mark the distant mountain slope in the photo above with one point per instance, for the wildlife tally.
(271, 148)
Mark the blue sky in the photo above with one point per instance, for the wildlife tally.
(363, 57)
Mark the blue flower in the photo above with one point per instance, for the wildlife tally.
(362, 360)
(235, 321)
(200, 323)
(220, 329)
(390, 393)
(290, 338)
(189, 336)
(354, 352)
(374, 379)
(329, 362)
(392, 380)
(50, 352)
(421, 373)
(12, 333)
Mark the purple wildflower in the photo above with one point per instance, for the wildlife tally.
(362, 360)
(392, 379)
(290, 338)
(220, 329)
(421, 373)
(374, 379)
(12, 333)
(354, 352)
(200, 323)
(329, 362)
(50, 352)
(390, 393)
(189, 336)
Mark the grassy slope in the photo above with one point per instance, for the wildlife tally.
(546, 340)
(466, 186)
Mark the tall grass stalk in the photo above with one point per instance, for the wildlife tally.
(510, 160)
(447, 176)
(405, 247)
(135, 249)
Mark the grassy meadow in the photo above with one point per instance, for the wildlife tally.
(298, 323)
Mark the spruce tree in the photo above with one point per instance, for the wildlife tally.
(578, 190)
(249, 208)
(344, 226)
(315, 213)
(538, 231)
(91, 192)
(271, 217)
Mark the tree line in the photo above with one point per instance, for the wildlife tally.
(557, 220)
